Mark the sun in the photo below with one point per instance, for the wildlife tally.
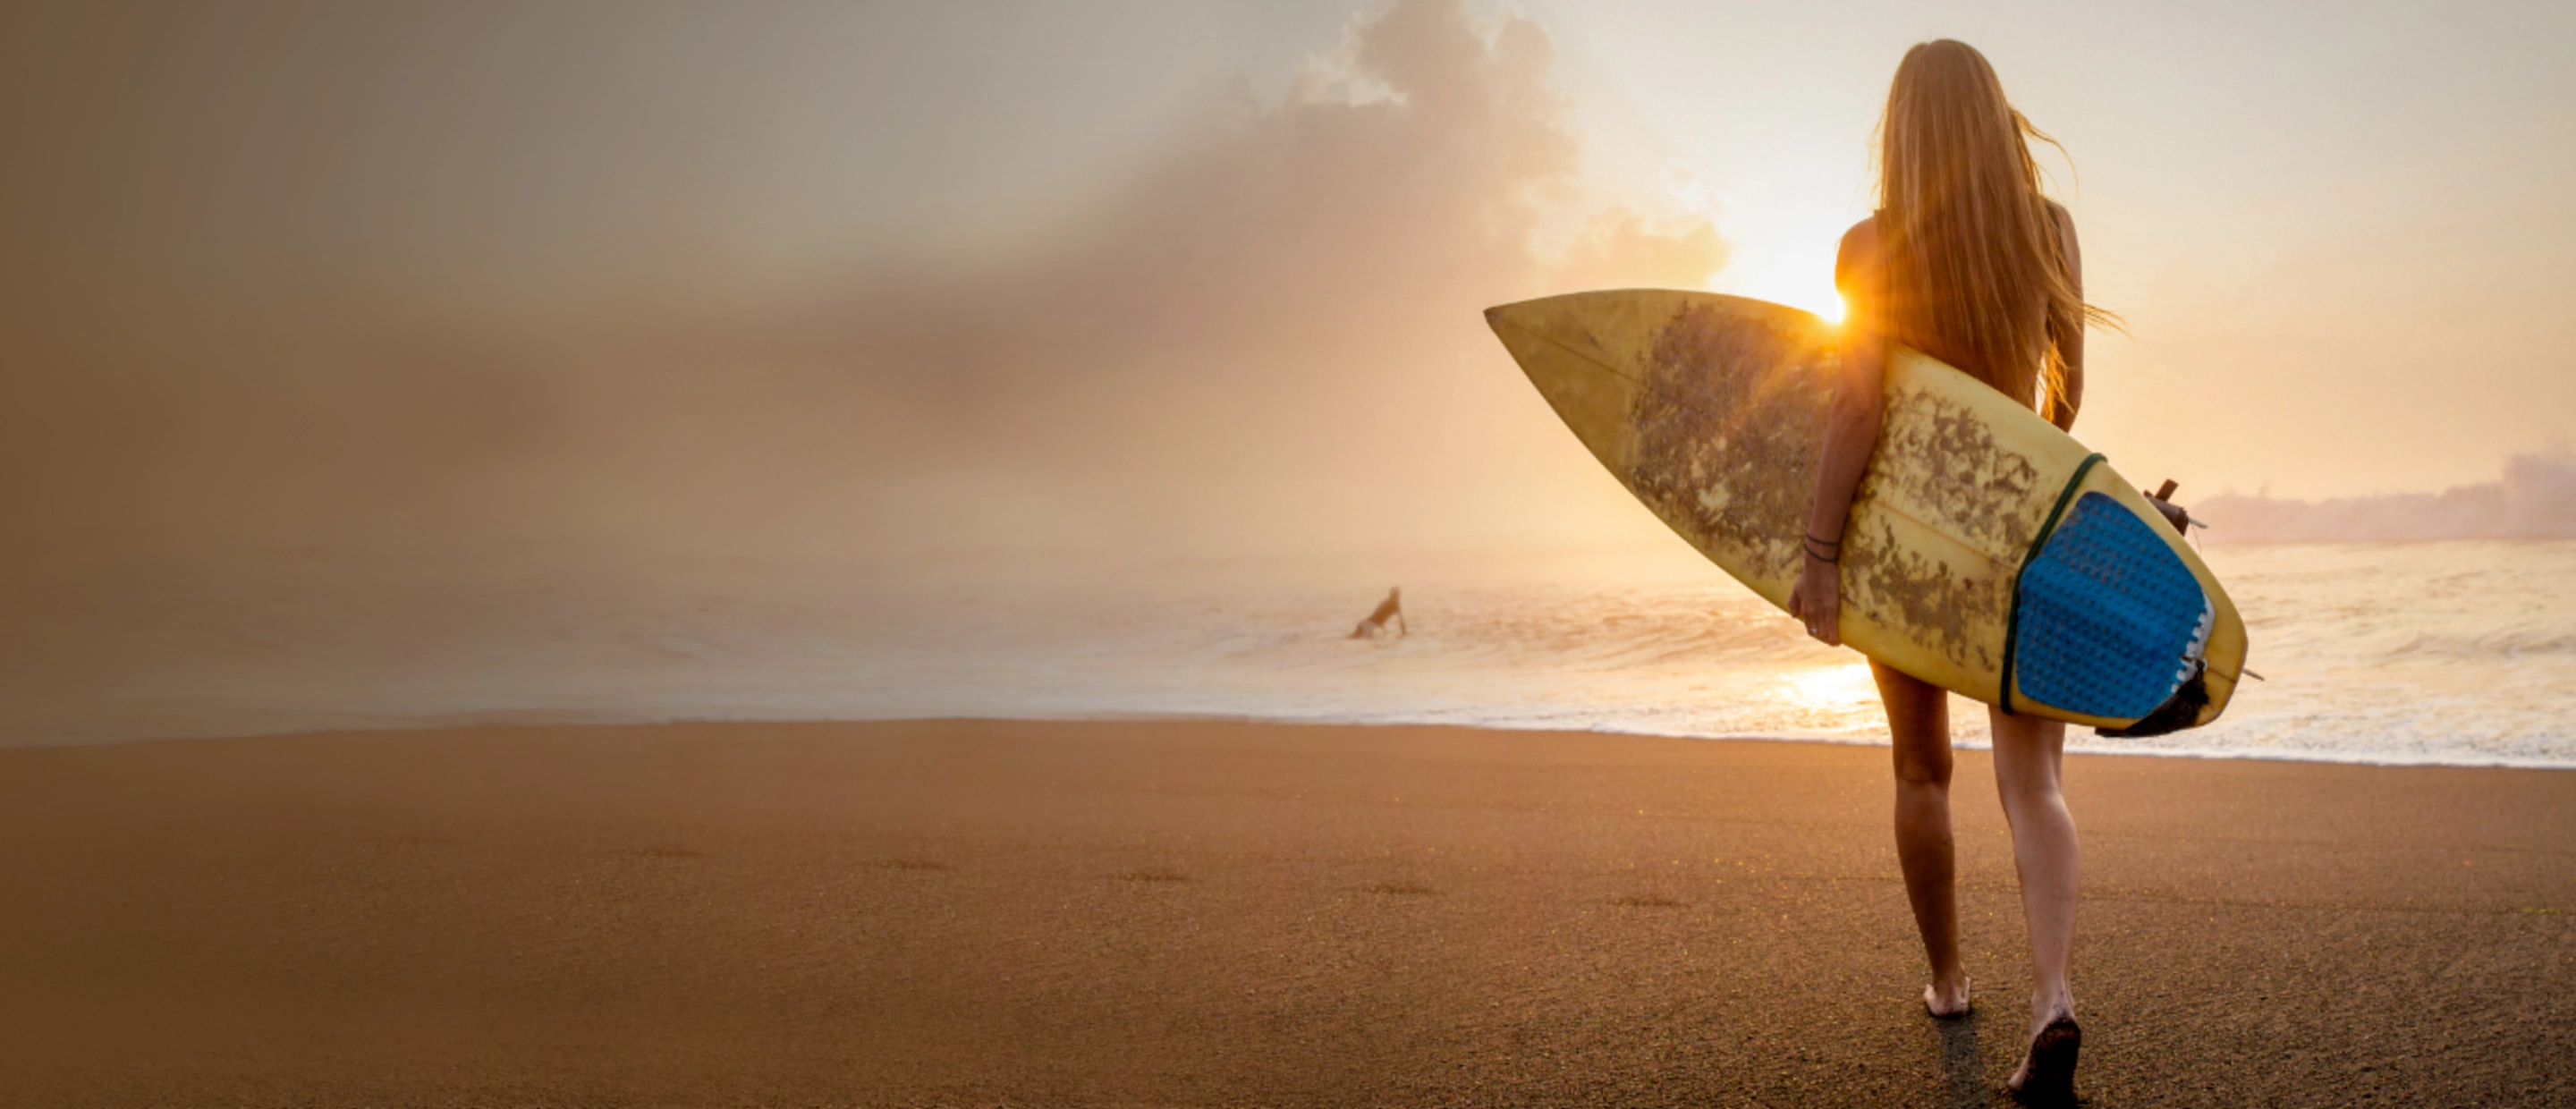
(1786, 262)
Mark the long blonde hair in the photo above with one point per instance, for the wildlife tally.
(1976, 269)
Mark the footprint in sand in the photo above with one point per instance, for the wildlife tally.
(1402, 888)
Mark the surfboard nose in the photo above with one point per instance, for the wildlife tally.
(1547, 317)
(1524, 320)
(1555, 321)
(1594, 328)
(1556, 343)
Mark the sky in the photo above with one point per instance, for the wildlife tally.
(600, 281)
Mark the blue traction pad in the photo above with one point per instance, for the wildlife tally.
(2111, 621)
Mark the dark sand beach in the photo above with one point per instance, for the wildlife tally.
(1186, 913)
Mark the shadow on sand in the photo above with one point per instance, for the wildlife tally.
(1960, 1062)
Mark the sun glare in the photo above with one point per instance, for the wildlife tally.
(1824, 302)
(1790, 262)
(1833, 687)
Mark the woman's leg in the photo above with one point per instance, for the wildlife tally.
(1918, 717)
(2028, 752)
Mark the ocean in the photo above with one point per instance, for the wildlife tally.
(2454, 652)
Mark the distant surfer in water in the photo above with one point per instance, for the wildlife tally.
(1966, 261)
(1392, 608)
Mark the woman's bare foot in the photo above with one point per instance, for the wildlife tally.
(2046, 1075)
(1945, 1003)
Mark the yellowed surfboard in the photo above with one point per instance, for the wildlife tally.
(1712, 410)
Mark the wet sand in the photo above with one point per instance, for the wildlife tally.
(1189, 913)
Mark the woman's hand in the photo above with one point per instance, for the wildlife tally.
(1817, 601)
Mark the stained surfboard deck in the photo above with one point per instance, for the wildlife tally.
(1979, 531)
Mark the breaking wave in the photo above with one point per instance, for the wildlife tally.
(2459, 651)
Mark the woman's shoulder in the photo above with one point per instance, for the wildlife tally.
(2064, 223)
(1857, 264)
(1860, 244)
(1863, 234)
(2058, 215)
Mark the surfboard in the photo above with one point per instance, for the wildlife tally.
(1988, 552)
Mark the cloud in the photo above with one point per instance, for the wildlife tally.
(1292, 298)
(1404, 178)
(1270, 333)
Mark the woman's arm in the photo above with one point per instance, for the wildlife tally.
(2070, 348)
(1851, 433)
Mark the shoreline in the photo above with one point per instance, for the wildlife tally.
(578, 719)
(982, 912)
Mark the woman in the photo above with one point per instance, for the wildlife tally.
(1966, 261)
